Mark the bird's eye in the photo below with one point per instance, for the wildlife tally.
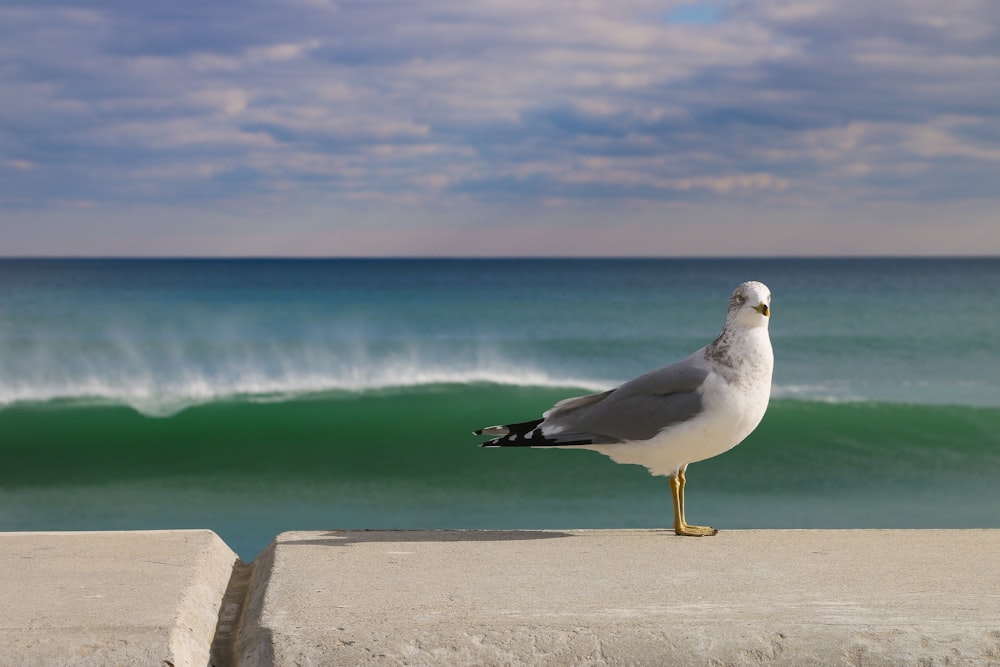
(740, 298)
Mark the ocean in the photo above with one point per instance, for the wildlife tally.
(256, 396)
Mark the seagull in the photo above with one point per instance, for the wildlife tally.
(690, 411)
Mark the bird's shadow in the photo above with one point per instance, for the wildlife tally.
(344, 538)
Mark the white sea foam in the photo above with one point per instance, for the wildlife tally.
(163, 380)
(164, 384)
(195, 360)
(831, 393)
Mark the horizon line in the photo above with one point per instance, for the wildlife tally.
(142, 257)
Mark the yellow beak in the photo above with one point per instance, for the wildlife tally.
(763, 309)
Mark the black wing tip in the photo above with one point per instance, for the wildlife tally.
(526, 434)
(505, 433)
(512, 440)
(535, 438)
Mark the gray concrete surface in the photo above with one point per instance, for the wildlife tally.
(624, 598)
(165, 598)
(111, 598)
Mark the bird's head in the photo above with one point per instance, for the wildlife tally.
(751, 304)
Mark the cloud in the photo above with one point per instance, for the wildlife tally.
(763, 103)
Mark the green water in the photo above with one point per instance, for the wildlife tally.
(338, 461)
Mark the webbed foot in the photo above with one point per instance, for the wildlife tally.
(694, 531)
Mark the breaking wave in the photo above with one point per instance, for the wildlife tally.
(164, 384)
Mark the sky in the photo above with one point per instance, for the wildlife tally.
(499, 128)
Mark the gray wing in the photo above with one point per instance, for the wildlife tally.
(575, 403)
(637, 410)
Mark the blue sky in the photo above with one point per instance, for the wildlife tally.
(481, 127)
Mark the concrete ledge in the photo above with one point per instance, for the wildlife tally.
(628, 597)
(115, 598)
(503, 598)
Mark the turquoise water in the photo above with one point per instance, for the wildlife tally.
(252, 397)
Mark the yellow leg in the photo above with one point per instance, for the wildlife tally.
(681, 526)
